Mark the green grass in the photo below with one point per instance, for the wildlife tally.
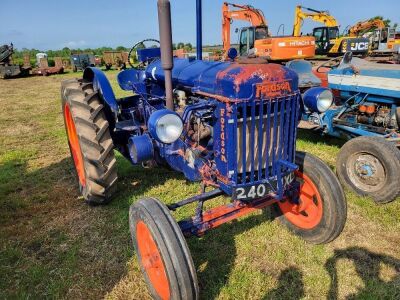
(52, 245)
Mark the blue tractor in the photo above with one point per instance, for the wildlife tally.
(229, 125)
(367, 113)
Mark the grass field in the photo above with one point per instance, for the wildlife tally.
(52, 245)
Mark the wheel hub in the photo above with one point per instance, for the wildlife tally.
(306, 210)
(366, 172)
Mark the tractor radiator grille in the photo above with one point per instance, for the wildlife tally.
(266, 133)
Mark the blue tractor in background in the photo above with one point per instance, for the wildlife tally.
(367, 113)
(231, 126)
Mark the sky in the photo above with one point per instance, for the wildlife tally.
(52, 24)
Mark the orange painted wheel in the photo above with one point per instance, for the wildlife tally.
(74, 145)
(151, 261)
(318, 214)
(162, 251)
(306, 214)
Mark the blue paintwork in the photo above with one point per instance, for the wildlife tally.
(310, 98)
(144, 55)
(221, 78)
(153, 120)
(143, 149)
(351, 96)
(199, 30)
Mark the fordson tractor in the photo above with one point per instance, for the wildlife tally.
(229, 125)
(367, 113)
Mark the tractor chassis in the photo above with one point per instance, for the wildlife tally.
(203, 221)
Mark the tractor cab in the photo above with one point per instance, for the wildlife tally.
(325, 38)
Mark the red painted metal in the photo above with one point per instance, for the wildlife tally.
(307, 214)
(151, 261)
(226, 213)
(74, 145)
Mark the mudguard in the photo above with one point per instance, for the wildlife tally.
(103, 87)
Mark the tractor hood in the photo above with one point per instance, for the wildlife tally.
(228, 81)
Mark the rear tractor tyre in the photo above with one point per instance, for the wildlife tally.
(370, 166)
(162, 251)
(319, 214)
(89, 141)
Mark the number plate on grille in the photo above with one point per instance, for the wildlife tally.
(260, 190)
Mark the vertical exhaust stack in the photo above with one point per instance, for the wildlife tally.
(164, 23)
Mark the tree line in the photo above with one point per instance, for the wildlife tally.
(67, 52)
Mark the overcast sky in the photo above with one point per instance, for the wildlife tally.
(52, 24)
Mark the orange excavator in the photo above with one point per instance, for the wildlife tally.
(256, 40)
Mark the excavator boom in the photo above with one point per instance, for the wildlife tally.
(243, 12)
(364, 26)
(313, 14)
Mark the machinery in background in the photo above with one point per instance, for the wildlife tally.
(229, 125)
(43, 68)
(256, 40)
(7, 68)
(119, 59)
(80, 62)
(382, 38)
(364, 26)
(367, 112)
(327, 38)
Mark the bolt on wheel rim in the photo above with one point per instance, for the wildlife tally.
(151, 260)
(366, 172)
(75, 146)
(307, 213)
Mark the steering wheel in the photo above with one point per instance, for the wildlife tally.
(330, 64)
(133, 52)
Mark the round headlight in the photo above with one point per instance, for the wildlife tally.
(165, 126)
(318, 99)
(324, 101)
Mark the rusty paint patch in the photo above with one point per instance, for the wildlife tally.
(242, 73)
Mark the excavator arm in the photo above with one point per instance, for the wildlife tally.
(242, 12)
(315, 15)
(364, 26)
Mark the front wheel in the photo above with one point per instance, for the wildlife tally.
(162, 251)
(370, 166)
(319, 213)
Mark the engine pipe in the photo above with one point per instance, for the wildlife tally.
(165, 30)
(199, 29)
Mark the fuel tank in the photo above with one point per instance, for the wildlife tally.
(230, 81)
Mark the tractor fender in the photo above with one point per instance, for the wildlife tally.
(103, 87)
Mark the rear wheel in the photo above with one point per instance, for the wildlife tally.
(319, 214)
(370, 166)
(162, 251)
(89, 141)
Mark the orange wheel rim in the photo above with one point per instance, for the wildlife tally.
(75, 146)
(151, 261)
(306, 214)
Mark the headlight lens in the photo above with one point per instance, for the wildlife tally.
(169, 128)
(324, 101)
(165, 126)
(318, 99)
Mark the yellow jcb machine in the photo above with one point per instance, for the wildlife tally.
(382, 37)
(327, 38)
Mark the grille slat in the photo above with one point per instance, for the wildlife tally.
(260, 146)
(266, 132)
